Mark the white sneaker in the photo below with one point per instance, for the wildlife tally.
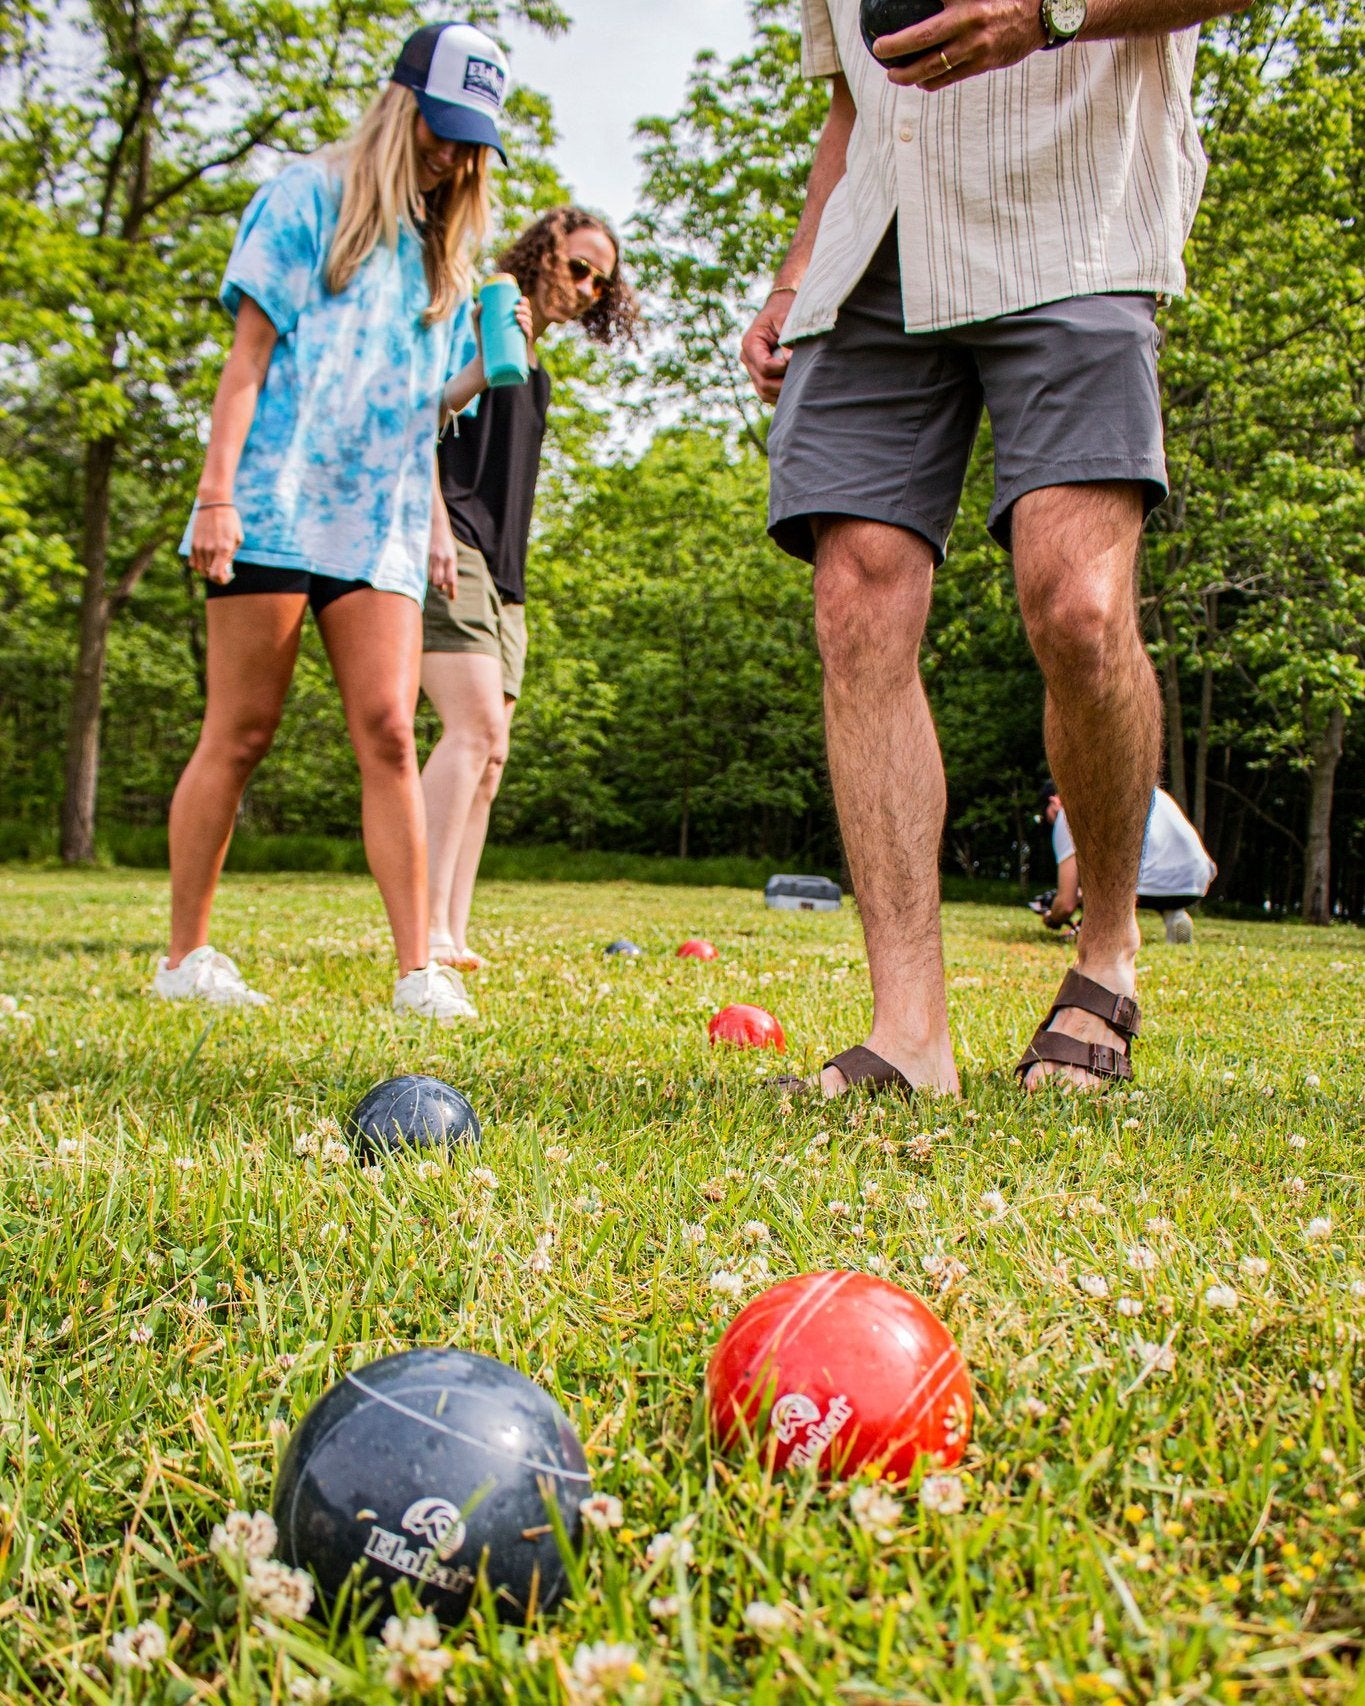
(205, 975)
(433, 992)
(1179, 927)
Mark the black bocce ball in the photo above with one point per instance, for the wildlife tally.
(626, 948)
(888, 17)
(422, 1467)
(412, 1112)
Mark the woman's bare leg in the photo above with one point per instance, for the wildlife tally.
(253, 640)
(476, 833)
(466, 689)
(374, 641)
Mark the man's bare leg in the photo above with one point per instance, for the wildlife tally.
(872, 590)
(1075, 562)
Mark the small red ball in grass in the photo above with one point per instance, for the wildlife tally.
(696, 948)
(746, 1027)
(843, 1371)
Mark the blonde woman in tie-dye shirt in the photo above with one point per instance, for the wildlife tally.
(348, 283)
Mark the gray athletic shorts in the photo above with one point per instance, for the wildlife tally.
(878, 422)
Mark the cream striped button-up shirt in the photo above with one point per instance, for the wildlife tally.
(1072, 173)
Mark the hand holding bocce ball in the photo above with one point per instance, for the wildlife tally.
(743, 1026)
(423, 1467)
(697, 948)
(412, 1112)
(840, 1372)
(877, 18)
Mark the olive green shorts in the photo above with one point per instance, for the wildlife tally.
(476, 620)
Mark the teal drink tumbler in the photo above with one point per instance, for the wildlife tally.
(505, 358)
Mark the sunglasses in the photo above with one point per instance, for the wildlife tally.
(580, 270)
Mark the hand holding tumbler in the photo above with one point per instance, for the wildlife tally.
(505, 356)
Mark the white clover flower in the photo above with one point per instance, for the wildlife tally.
(329, 1229)
(1035, 1408)
(419, 1660)
(670, 1544)
(307, 1143)
(694, 1233)
(68, 1148)
(139, 1648)
(916, 1200)
(427, 1168)
(275, 1590)
(1254, 1267)
(605, 1667)
(872, 1190)
(1158, 1226)
(374, 1173)
(943, 1494)
(140, 1335)
(764, 1619)
(995, 1205)
(756, 1231)
(921, 1146)
(1229, 1078)
(486, 1177)
(876, 1264)
(186, 1163)
(557, 1154)
(244, 1537)
(310, 1690)
(1129, 1306)
(541, 1261)
(875, 1512)
(726, 1284)
(1159, 1357)
(838, 1210)
(1298, 1185)
(1296, 1140)
(8, 1005)
(1357, 1288)
(1221, 1297)
(1312, 1080)
(335, 1153)
(1141, 1258)
(664, 1606)
(1132, 1125)
(601, 1511)
(1320, 1227)
(1093, 1285)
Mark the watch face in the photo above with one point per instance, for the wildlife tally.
(1066, 16)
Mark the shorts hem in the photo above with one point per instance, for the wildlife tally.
(792, 532)
(1150, 475)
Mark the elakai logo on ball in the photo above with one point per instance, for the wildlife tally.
(795, 1411)
(439, 1523)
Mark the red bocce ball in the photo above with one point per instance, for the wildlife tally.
(843, 1371)
(696, 948)
(746, 1027)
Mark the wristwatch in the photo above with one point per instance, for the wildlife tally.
(1062, 21)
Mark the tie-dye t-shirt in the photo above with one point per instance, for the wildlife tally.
(336, 473)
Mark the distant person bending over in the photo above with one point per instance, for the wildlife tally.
(474, 640)
(348, 281)
(1174, 872)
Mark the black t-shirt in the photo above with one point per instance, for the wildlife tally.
(488, 475)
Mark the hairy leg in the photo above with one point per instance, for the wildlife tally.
(476, 833)
(872, 589)
(466, 689)
(1075, 558)
(253, 641)
(374, 642)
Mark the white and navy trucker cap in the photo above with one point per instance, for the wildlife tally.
(459, 76)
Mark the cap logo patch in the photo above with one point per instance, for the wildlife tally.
(484, 79)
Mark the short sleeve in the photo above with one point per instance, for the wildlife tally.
(278, 251)
(819, 49)
(1062, 844)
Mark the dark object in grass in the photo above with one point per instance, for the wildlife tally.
(424, 1467)
(879, 18)
(412, 1112)
(627, 949)
(802, 894)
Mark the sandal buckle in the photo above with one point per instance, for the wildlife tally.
(1125, 1012)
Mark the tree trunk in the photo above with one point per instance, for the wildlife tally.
(87, 690)
(1201, 751)
(1175, 720)
(1317, 853)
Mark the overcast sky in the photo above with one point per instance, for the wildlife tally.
(621, 60)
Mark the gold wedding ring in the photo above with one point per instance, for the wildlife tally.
(947, 63)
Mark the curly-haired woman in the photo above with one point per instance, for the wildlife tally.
(568, 264)
(349, 285)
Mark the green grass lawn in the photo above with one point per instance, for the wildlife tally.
(1163, 1497)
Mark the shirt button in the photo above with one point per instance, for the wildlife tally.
(907, 133)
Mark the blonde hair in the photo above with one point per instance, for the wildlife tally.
(379, 167)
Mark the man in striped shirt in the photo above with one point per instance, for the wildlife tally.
(991, 223)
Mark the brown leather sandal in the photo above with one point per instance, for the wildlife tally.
(1119, 1012)
(862, 1069)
